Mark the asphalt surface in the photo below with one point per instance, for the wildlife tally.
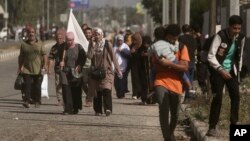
(129, 121)
(8, 43)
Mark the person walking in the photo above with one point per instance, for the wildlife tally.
(188, 39)
(144, 72)
(55, 57)
(168, 83)
(135, 65)
(225, 58)
(102, 56)
(86, 70)
(74, 58)
(32, 63)
(122, 53)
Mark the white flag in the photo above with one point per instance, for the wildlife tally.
(74, 27)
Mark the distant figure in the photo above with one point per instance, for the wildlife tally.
(188, 39)
(144, 72)
(42, 32)
(122, 53)
(86, 71)
(135, 65)
(84, 26)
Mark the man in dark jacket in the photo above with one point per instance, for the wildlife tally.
(225, 58)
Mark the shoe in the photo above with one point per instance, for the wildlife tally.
(134, 97)
(67, 113)
(37, 105)
(60, 103)
(88, 104)
(108, 112)
(98, 114)
(26, 105)
(191, 91)
(75, 112)
(143, 103)
(212, 132)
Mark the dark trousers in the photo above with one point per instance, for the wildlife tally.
(32, 87)
(103, 98)
(168, 102)
(72, 98)
(217, 84)
(120, 85)
(67, 98)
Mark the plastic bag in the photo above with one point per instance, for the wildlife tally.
(44, 87)
(19, 82)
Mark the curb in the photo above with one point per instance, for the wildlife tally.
(199, 128)
(6, 55)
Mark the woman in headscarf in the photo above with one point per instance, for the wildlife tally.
(135, 63)
(73, 59)
(102, 56)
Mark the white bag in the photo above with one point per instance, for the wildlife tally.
(44, 87)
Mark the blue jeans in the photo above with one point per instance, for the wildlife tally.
(168, 101)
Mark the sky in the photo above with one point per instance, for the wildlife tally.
(113, 3)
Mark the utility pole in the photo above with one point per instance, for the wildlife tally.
(48, 14)
(212, 18)
(218, 16)
(233, 7)
(165, 12)
(184, 12)
(174, 11)
(43, 19)
(6, 14)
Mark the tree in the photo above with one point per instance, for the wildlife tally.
(197, 8)
(154, 8)
(30, 11)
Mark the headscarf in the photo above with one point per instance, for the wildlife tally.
(120, 37)
(137, 40)
(99, 44)
(70, 35)
(99, 31)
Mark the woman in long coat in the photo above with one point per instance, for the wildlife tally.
(101, 54)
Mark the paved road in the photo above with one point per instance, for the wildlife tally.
(129, 121)
(8, 43)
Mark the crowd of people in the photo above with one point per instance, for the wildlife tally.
(162, 70)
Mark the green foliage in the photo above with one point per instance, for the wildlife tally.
(154, 8)
(200, 107)
(30, 11)
(197, 8)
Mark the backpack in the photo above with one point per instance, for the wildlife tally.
(203, 53)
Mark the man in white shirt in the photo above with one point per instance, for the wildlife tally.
(121, 51)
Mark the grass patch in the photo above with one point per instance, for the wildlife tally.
(200, 107)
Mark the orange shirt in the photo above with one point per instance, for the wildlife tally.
(169, 78)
